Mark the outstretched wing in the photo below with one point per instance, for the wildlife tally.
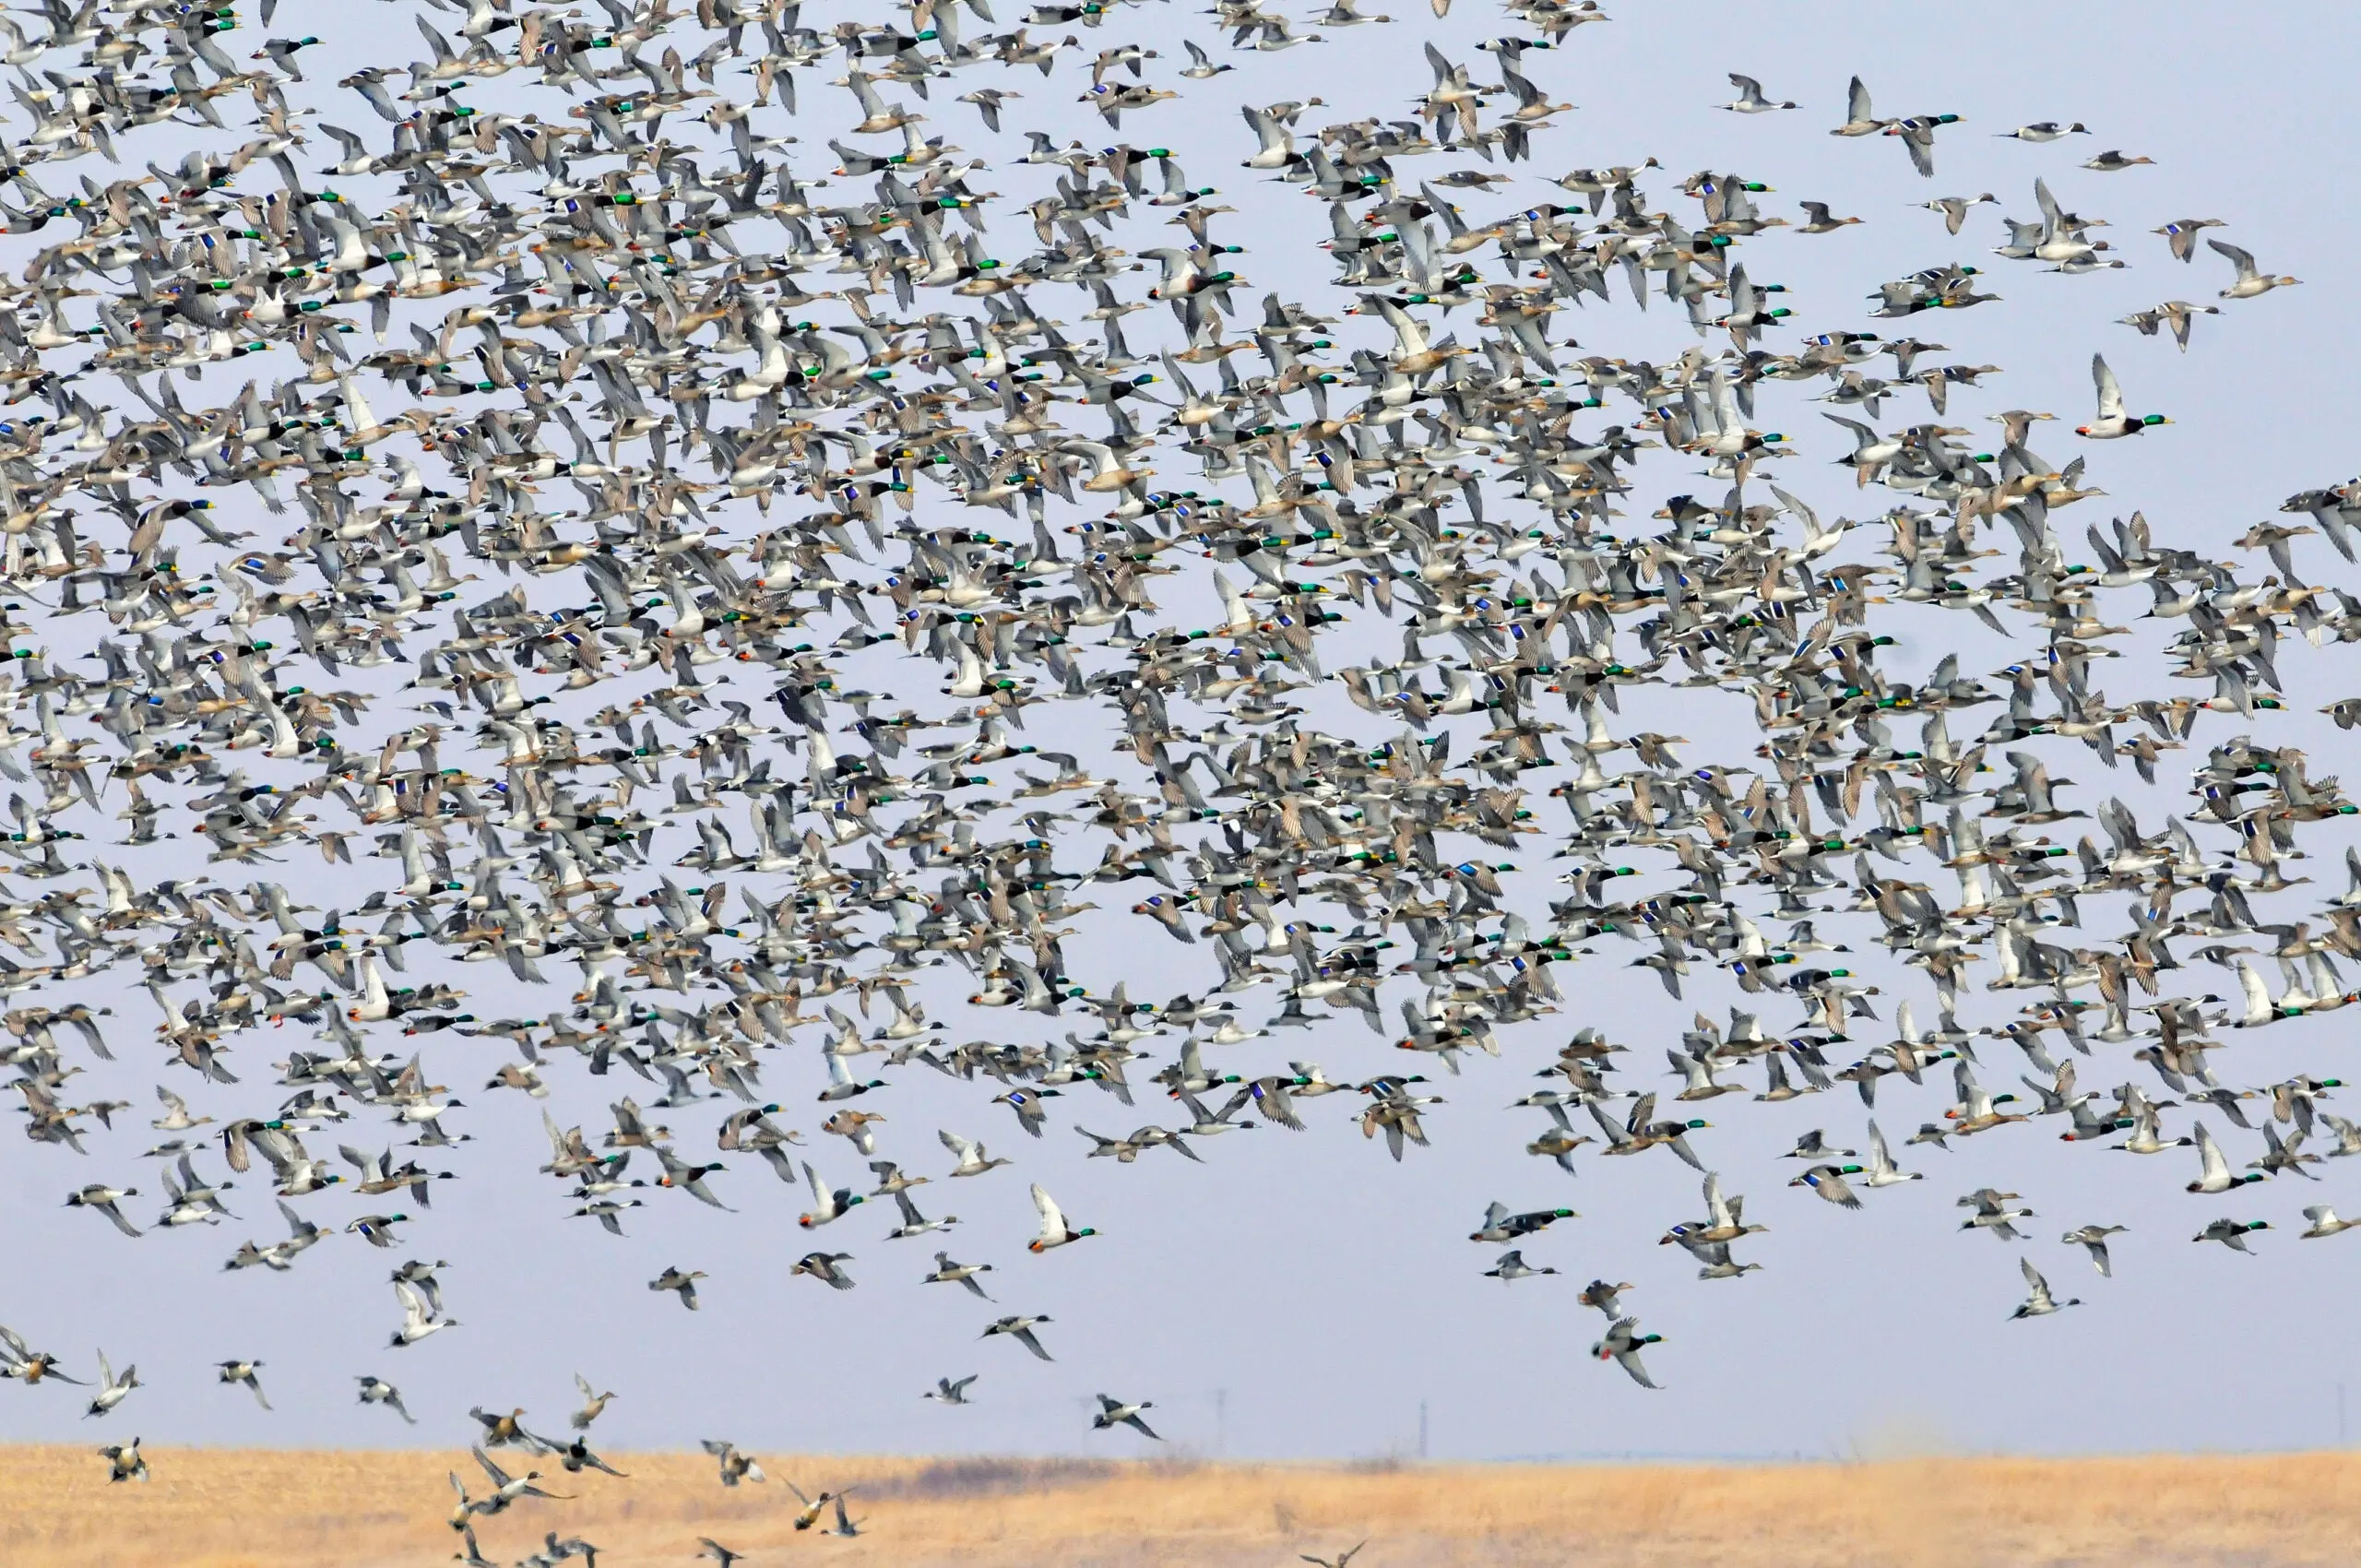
(2110, 392)
(1053, 1219)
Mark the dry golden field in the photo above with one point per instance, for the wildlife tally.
(219, 1508)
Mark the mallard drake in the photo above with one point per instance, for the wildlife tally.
(2213, 1171)
(1500, 1225)
(1622, 1345)
(1055, 1232)
(1882, 1171)
(828, 1203)
(2232, 1233)
(1828, 1181)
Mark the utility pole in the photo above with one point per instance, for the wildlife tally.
(1221, 1422)
(1422, 1432)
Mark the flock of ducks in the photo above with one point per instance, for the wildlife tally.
(526, 579)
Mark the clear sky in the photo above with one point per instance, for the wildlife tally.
(1300, 1295)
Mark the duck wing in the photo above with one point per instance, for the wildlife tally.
(1053, 1219)
(2110, 391)
(2214, 1167)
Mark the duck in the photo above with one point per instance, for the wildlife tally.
(2181, 235)
(594, 1404)
(1828, 1182)
(1622, 1345)
(124, 1462)
(1055, 1232)
(970, 1155)
(1114, 1412)
(1818, 219)
(682, 1283)
(2232, 1233)
(1993, 1213)
(1725, 1219)
(950, 1390)
(244, 1372)
(2038, 1301)
(1956, 208)
(1860, 120)
(736, 1464)
(1020, 1328)
(378, 1391)
(828, 1203)
(947, 1272)
(2323, 1218)
(2179, 315)
(1882, 1171)
(2093, 1238)
(2112, 422)
(1511, 1267)
(1750, 99)
(2214, 1174)
(2250, 282)
(2046, 131)
(825, 1267)
(114, 1391)
(1500, 1225)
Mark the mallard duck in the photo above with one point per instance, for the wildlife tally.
(1828, 1181)
(2232, 1233)
(2112, 422)
(1055, 1232)
(1882, 1171)
(1622, 1345)
(2213, 1171)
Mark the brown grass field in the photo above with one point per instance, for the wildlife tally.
(219, 1508)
